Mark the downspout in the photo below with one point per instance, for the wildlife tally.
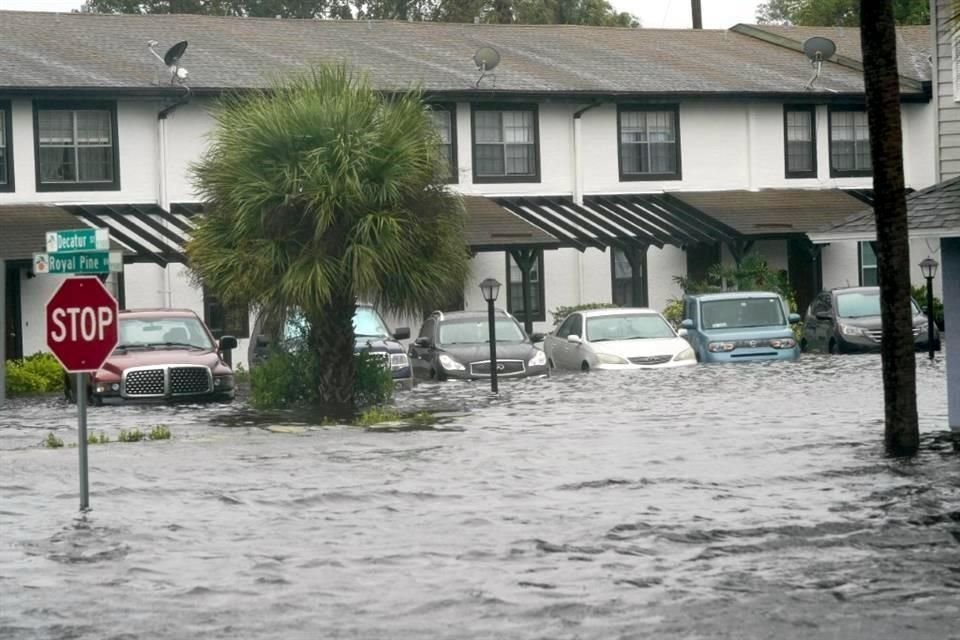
(578, 184)
(162, 191)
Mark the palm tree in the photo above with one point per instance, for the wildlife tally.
(882, 87)
(321, 192)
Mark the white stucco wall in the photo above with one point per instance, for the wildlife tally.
(841, 264)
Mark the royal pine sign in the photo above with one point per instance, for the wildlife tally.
(81, 251)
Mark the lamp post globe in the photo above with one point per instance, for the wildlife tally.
(491, 289)
(928, 267)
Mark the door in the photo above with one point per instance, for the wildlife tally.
(690, 312)
(818, 329)
(568, 353)
(558, 344)
(421, 355)
(13, 341)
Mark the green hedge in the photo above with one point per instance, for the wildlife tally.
(39, 373)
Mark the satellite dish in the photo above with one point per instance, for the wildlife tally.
(817, 48)
(487, 58)
(174, 53)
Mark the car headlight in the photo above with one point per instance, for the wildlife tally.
(721, 347)
(609, 358)
(399, 361)
(783, 343)
(450, 364)
(686, 354)
(223, 382)
(538, 360)
(850, 330)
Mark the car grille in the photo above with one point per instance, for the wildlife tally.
(504, 367)
(877, 334)
(156, 382)
(185, 381)
(650, 360)
(144, 382)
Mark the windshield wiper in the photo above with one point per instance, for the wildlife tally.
(126, 347)
(175, 344)
(368, 335)
(603, 339)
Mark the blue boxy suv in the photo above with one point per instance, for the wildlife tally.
(738, 326)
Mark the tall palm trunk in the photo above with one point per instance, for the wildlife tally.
(882, 87)
(331, 339)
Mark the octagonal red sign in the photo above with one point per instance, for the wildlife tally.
(81, 324)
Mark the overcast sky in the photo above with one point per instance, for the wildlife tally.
(717, 14)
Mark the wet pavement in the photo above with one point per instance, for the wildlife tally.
(743, 501)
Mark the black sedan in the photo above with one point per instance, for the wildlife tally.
(456, 345)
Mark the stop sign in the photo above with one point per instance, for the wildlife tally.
(81, 324)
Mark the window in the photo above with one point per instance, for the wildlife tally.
(570, 326)
(225, 320)
(649, 143)
(76, 146)
(515, 289)
(505, 144)
(445, 120)
(800, 141)
(868, 265)
(849, 144)
(629, 283)
(6, 146)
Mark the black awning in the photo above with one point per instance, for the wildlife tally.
(146, 232)
(622, 221)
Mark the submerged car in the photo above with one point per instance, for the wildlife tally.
(371, 335)
(616, 339)
(739, 326)
(457, 345)
(162, 355)
(847, 320)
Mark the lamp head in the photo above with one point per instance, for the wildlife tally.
(490, 289)
(929, 268)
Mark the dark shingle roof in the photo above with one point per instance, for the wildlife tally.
(913, 44)
(46, 50)
(490, 227)
(774, 211)
(23, 229)
(934, 211)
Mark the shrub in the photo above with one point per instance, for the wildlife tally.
(52, 441)
(38, 373)
(673, 312)
(372, 382)
(920, 296)
(159, 432)
(280, 381)
(97, 438)
(560, 313)
(134, 435)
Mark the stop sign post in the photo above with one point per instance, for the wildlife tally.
(82, 333)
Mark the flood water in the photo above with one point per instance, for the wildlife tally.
(742, 501)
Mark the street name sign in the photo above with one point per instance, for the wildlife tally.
(82, 262)
(78, 240)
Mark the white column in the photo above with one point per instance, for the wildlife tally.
(950, 268)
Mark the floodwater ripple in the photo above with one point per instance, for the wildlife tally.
(713, 502)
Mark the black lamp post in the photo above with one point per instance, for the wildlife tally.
(929, 269)
(491, 289)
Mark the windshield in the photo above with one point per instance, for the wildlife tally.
(477, 331)
(367, 324)
(160, 332)
(739, 313)
(862, 305)
(627, 327)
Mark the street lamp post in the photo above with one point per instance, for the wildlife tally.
(491, 289)
(929, 269)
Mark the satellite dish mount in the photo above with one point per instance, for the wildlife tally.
(171, 60)
(818, 49)
(486, 59)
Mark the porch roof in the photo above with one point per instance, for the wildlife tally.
(933, 212)
(23, 228)
(775, 212)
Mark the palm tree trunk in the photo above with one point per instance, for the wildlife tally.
(332, 340)
(882, 88)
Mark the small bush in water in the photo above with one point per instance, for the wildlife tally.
(52, 441)
(159, 432)
(97, 438)
(377, 415)
(372, 382)
(134, 435)
(39, 373)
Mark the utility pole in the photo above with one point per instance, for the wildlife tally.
(697, 14)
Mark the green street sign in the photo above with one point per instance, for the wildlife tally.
(86, 262)
(76, 240)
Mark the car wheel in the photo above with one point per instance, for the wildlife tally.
(803, 345)
(833, 347)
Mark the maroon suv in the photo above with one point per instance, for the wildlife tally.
(163, 355)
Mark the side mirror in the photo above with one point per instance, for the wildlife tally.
(794, 318)
(402, 333)
(574, 339)
(682, 332)
(822, 315)
(536, 337)
(422, 341)
(686, 323)
(228, 343)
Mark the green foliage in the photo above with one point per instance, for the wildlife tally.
(372, 382)
(280, 381)
(836, 13)
(159, 432)
(920, 296)
(673, 312)
(560, 313)
(98, 438)
(133, 435)
(38, 373)
(241, 375)
(377, 415)
(52, 441)
(593, 12)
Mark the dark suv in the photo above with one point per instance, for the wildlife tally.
(457, 345)
(848, 321)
